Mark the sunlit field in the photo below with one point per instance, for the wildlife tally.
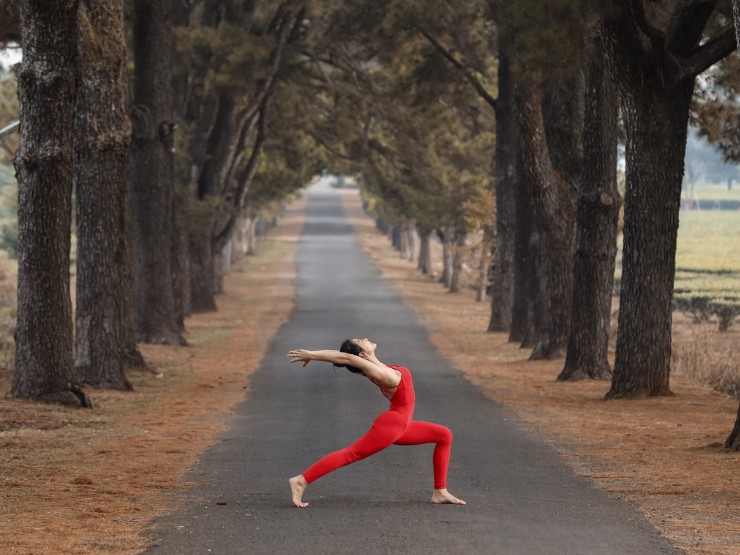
(715, 192)
(709, 240)
(707, 283)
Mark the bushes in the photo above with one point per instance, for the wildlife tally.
(702, 308)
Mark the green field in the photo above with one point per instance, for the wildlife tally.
(715, 191)
(709, 241)
(707, 279)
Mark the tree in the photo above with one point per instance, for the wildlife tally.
(156, 317)
(596, 242)
(45, 168)
(654, 54)
(225, 95)
(552, 166)
(505, 177)
(104, 317)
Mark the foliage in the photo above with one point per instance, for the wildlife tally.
(716, 107)
(397, 113)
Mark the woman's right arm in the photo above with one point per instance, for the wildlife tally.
(335, 357)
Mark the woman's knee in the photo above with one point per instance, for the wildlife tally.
(446, 435)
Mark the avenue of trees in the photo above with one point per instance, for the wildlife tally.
(177, 121)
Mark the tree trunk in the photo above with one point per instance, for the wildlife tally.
(736, 17)
(103, 136)
(483, 270)
(425, 252)
(598, 213)
(552, 159)
(656, 123)
(446, 278)
(505, 175)
(44, 366)
(252, 236)
(180, 262)
(202, 271)
(733, 440)
(403, 241)
(411, 242)
(457, 262)
(396, 237)
(524, 263)
(155, 308)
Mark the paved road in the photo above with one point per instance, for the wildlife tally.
(522, 499)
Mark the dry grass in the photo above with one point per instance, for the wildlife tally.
(82, 482)
(665, 455)
(704, 355)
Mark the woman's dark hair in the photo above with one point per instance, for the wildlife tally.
(352, 348)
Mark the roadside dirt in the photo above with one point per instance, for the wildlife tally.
(84, 482)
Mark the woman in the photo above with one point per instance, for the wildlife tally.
(392, 427)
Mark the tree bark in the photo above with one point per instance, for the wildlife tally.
(44, 366)
(155, 307)
(733, 440)
(505, 175)
(655, 156)
(552, 158)
(104, 318)
(736, 17)
(425, 253)
(525, 274)
(411, 242)
(447, 237)
(202, 269)
(457, 262)
(597, 217)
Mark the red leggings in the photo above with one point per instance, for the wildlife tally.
(390, 428)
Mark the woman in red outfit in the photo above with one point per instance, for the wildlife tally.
(392, 427)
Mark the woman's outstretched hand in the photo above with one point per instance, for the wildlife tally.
(300, 355)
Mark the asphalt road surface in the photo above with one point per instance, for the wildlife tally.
(522, 498)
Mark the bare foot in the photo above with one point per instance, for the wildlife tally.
(297, 486)
(441, 496)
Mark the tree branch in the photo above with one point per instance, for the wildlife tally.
(245, 179)
(472, 79)
(331, 149)
(638, 11)
(709, 54)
